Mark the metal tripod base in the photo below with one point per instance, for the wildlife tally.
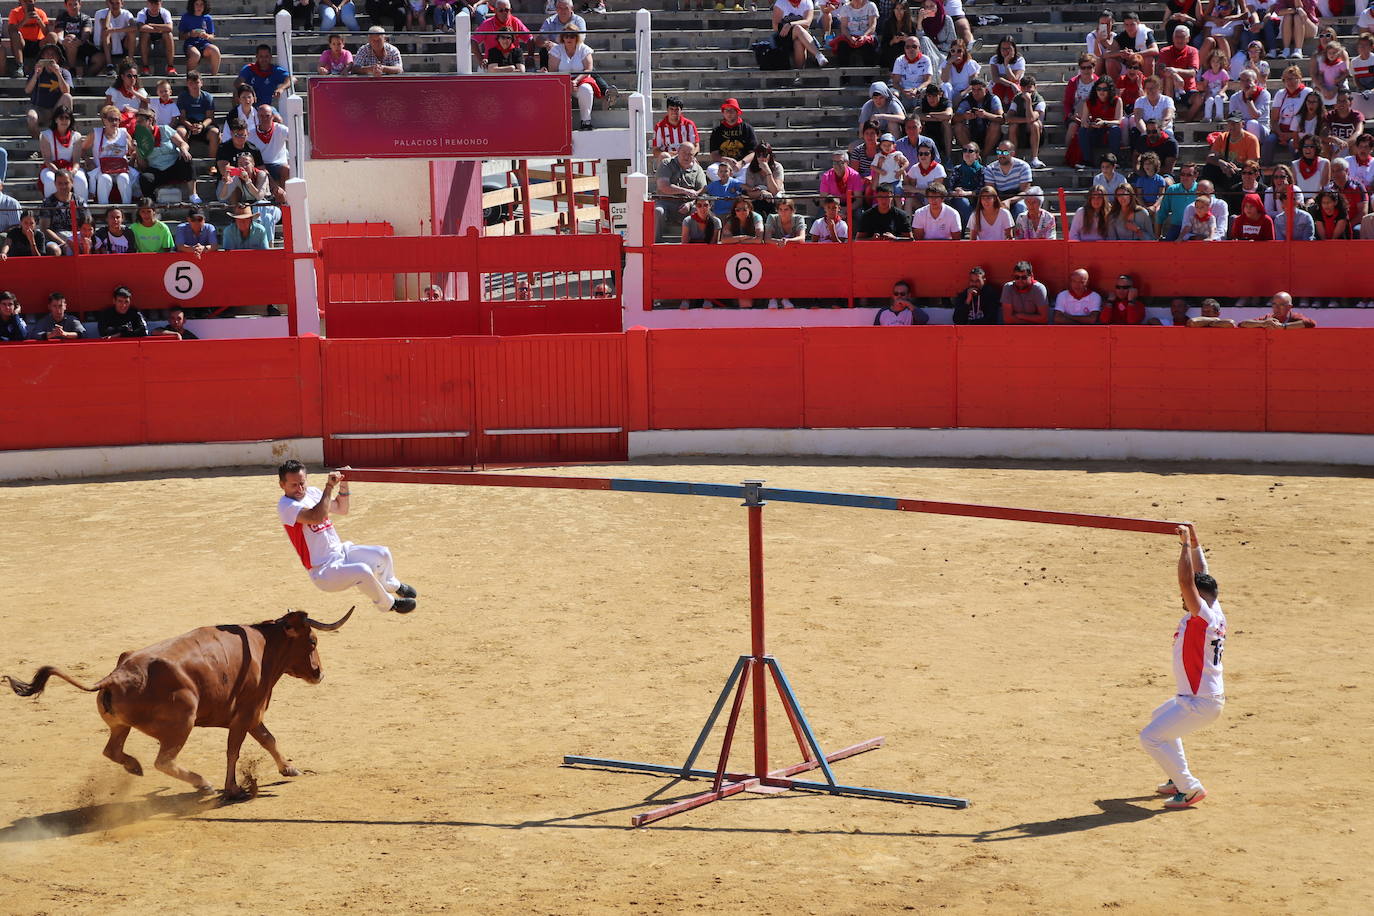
(725, 784)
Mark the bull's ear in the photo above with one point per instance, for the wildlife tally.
(294, 623)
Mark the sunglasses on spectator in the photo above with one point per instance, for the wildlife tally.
(1123, 286)
(111, 119)
(1004, 152)
(1249, 171)
(1085, 67)
(923, 152)
(971, 150)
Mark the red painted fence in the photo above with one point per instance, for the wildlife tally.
(575, 396)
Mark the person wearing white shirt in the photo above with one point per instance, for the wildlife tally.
(1153, 104)
(115, 33)
(1252, 101)
(270, 140)
(1109, 177)
(1362, 162)
(1221, 210)
(155, 25)
(1078, 304)
(1036, 222)
(935, 221)
(911, 72)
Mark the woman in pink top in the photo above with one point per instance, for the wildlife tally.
(336, 59)
(1330, 69)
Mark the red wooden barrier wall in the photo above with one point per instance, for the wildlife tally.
(863, 269)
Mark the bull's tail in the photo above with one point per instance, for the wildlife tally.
(40, 680)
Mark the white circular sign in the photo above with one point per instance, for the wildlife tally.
(744, 271)
(183, 280)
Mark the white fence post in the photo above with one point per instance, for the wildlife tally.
(644, 64)
(462, 42)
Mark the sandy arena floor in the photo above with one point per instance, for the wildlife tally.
(1011, 664)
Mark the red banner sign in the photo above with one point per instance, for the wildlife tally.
(441, 117)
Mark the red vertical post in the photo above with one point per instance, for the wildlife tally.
(1064, 213)
(756, 629)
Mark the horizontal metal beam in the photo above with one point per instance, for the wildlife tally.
(438, 434)
(553, 431)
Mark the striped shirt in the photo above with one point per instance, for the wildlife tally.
(1008, 183)
(668, 138)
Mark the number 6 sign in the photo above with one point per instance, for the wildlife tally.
(744, 271)
(183, 280)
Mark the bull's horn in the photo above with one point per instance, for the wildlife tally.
(316, 625)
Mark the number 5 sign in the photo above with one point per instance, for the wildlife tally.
(744, 271)
(183, 280)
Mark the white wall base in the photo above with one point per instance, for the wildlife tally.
(1009, 443)
(58, 463)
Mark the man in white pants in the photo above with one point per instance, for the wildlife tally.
(334, 565)
(1198, 645)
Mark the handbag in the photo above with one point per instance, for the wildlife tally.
(113, 165)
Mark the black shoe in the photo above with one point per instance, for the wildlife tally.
(407, 591)
(403, 605)
(585, 125)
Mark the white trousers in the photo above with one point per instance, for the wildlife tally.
(368, 569)
(1163, 737)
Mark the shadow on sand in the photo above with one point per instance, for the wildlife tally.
(110, 815)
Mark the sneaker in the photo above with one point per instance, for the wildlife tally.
(1166, 788)
(110, 71)
(772, 303)
(19, 73)
(406, 605)
(195, 198)
(407, 591)
(1035, 163)
(821, 59)
(720, 7)
(685, 304)
(171, 71)
(828, 39)
(1297, 54)
(585, 125)
(1180, 801)
(1333, 304)
(738, 8)
(787, 304)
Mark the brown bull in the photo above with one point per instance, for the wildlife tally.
(216, 677)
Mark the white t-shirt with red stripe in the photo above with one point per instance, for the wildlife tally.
(1198, 645)
(316, 545)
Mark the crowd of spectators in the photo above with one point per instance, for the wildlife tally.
(118, 320)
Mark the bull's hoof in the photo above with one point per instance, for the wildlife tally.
(290, 771)
(235, 793)
(133, 766)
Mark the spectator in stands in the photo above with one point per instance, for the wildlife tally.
(149, 232)
(1285, 114)
(57, 324)
(127, 94)
(935, 221)
(335, 60)
(1281, 188)
(245, 108)
(1099, 122)
(1311, 171)
(1093, 221)
(830, 227)
(1175, 199)
(507, 58)
(1101, 41)
(784, 227)
(111, 150)
(1252, 102)
(1199, 225)
(269, 81)
(246, 182)
(1329, 217)
(862, 152)
(937, 117)
(270, 139)
(701, 227)
(1251, 180)
(1280, 315)
(958, 70)
(1152, 105)
(155, 27)
(1362, 68)
(120, 318)
(673, 130)
(912, 139)
(724, 188)
(236, 145)
(889, 166)
(26, 25)
(1354, 194)
(1157, 143)
(911, 74)
(1078, 304)
(195, 236)
(1005, 69)
(1210, 317)
(1178, 67)
(49, 88)
(883, 107)
(1134, 38)
(12, 326)
(1361, 160)
(395, 10)
(733, 137)
(26, 240)
(979, 303)
(1024, 298)
(195, 120)
(484, 36)
(1343, 124)
(966, 180)
(1035, 222)
(1250, 57)
(573, 56)
(920, 175)
(552, 27)
(164, 107)
(856, 43)
(61, 211)
(792, 28)
(1109, 177)
(334, 12)
(175, 326)
(75, 32)
(1130, 222)
(1221, 210)
(60, 148)
(884, 221)
(680, 180)
(1252, 224)
(1124, 306)
(893, 31)
(1229, 151)
(991, 221)
(302, 13)
(9, 210)
(978, 117)
(763, 179)
(166, 160)
(901, 311)
(116, 33)
(1297, 23)
(197, 31)
(380, 57)
(1010, 176)
(245, 232)
(840, 180)
(112, 237)
(1076, 92)
(1027, 111)
(939, 24)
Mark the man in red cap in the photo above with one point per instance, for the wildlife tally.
(732, 138)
